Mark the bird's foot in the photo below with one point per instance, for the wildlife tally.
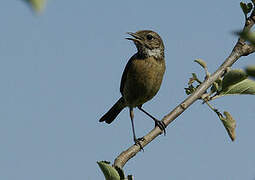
(161, 125)
(138, 142)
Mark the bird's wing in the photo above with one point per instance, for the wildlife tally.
(125, 73)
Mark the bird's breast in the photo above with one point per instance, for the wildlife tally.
(143, 81)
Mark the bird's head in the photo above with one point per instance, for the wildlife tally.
(148, 43)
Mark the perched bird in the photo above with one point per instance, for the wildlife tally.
(141, 78)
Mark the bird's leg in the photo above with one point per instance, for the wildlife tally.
(158, 123)
(137, 141)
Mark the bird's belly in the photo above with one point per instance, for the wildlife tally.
(143, 82)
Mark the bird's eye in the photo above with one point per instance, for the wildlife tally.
(149, 37)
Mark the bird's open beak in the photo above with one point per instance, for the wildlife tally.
(135, 38)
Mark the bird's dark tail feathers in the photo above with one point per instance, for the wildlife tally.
(114, 111)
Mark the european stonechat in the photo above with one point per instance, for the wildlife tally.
(141, 78)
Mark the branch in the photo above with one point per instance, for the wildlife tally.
(240, 49)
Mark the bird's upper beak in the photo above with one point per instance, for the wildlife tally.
(135, 38)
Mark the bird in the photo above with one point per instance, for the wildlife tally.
(141, 79)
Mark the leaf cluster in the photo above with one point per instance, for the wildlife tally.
(233, 82)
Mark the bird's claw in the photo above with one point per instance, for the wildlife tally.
(161, 125)
(137, 142)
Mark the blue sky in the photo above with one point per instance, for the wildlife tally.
(60, 72)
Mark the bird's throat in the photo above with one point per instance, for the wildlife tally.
(156, 52)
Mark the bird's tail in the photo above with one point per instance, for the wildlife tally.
(114, 111)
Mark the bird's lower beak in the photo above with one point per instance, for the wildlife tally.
(136, 37)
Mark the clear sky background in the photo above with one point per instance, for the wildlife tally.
(60, 72)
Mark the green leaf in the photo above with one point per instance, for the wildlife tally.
(232, 77)
(243, 7)
(236, 82)
(110, 172)
(37, 5)
(247, 86)
(201, 62)
(249, 7)
(250, 70)
(229, 124)
(247, 36)
(246, 8)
